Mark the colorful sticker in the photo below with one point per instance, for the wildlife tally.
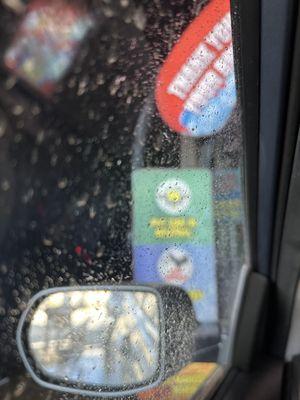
(195, 91)
(46, 42)
(190, 266)
(173, 240)
(182, 386)
(172, 206)
(227, 195)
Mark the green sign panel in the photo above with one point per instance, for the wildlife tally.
(172, 206)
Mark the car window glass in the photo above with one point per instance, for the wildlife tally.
(121, 160)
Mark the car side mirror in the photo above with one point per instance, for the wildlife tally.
(106, 341)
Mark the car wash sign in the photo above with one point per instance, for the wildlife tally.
(173, 235)
(195, 91)
(172, 205)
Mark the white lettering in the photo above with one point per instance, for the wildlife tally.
(205, 90)
(220, 34)
(187, 77)
(224, 63)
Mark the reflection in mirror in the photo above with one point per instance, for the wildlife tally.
(97, 337)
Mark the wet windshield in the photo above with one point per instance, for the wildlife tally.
(121, 159)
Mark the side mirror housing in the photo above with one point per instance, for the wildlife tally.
(106, 341)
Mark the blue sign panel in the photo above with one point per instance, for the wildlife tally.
(190, 266)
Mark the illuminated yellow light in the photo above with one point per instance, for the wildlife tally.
(173, 196)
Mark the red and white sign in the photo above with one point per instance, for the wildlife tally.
(198, 66)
